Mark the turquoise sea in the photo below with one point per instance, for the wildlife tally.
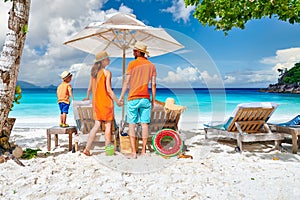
(39, 109)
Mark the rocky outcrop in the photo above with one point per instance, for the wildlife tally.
(283, 88)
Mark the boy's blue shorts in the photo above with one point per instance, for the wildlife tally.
(64, 107)
(138, 110)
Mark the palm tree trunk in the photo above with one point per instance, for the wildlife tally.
(10, 56)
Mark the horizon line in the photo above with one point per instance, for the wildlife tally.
(156, 88)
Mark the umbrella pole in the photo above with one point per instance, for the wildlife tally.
(123, 79)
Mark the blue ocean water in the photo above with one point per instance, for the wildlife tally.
(38, 107)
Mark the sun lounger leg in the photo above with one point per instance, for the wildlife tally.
(239, 137)
(278, 144)
(298, 139)
(70, 142)
(149, 147)
(294, 141)
(239, 143)
(115, 141)
(48, 140)
(76, 146)
(205, 133)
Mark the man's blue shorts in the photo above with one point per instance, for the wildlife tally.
(138, 110)
(64, 107)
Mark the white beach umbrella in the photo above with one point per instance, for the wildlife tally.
(117, 33)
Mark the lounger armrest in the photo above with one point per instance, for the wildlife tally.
(267, 128)
(238, 127)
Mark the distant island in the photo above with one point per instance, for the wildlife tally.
(27, 85)
(288, 81)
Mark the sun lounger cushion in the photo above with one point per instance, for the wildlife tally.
(294, 122)
(219, 125)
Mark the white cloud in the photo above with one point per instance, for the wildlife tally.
(4, 9)
(51, 22)
(81, 74)
(261, 77)
(190, 76)
(229, 79)
(211, 80)
(179, 10)
(125, 9)
(250, 78)
(285, 58)
(80, 67)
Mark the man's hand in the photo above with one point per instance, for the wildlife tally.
(119, 103)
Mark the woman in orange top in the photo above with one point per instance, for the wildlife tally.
(102, 100)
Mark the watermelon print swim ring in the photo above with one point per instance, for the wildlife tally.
(167, 142)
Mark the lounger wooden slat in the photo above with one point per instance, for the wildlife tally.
(160, 118)
(86, 123)
(249, 125)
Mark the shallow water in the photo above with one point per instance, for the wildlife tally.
(38, 107)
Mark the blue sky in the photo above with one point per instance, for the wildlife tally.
(244, 58)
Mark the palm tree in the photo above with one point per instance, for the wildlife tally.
(10, 57)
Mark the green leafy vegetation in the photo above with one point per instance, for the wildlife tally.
(25, 29)
(292, 76)
(30, 153)
(227, 14)
(18, 95)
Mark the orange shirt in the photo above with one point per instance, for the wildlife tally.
(63, 92)
(141, 72)
(103, 105)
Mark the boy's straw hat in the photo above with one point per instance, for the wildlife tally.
(170, 105)
(100, 56)
(65, 75)
(140, 46)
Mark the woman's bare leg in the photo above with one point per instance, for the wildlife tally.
(107, 133)
(92, 136)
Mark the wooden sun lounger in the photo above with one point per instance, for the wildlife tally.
(249, 125)
(294, 131)
(163, 119)
(86, 123)
(160, 119)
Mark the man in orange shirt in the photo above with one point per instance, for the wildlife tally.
(139, 74)
(64, 92)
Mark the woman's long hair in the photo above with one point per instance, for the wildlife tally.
(96, 68)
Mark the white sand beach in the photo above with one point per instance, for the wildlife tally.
(215, 172)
